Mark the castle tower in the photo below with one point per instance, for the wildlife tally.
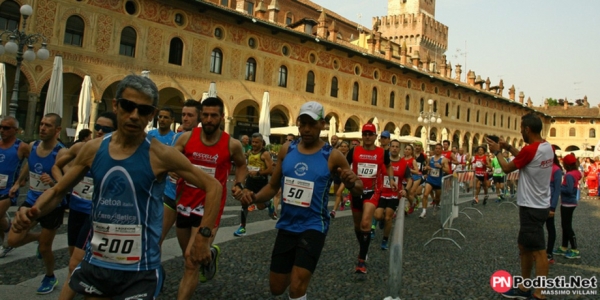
(413, 22)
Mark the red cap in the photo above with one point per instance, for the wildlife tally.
(569, 159)
(369, 127)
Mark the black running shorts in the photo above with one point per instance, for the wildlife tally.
(296, 249)
(531, 231)
(51, 221)
(391, 203)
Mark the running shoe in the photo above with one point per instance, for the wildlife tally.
(372, 234)
(436, 207)
(5, 251)
(361, 267)
(572, 254)
(240, 231)
(422, 216)
(551, 260)
(475, 201)
(384, 245)
(37, 252)
(274, 216)
(271, 210)
(48, 284)
(347, 203)
(252, 207)
(485, 200)
(516, 293)
(332, 214)
(209, 271)
(559, 251)
(411, 210)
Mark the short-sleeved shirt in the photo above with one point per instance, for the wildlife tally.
(534, 162)
(166, 139)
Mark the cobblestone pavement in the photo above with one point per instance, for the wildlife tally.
(439, 270)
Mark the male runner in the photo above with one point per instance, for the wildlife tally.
(12, 153)
(212, 150)
(480, 163)
(123, 258)
(260, 167)
(164, 133)
(384, 140)
(418, 179)
(437, 167)
(303, 172)
(335, 141)
(371, 164)
(498, 175)
(449, 154)
(39, 164)
(80, 204)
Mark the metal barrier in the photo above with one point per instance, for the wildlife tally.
(467, 185)
(450, 192)
(396, 251)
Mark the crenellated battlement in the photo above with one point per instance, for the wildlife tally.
(412, 25)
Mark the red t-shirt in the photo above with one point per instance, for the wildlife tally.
(368, 165)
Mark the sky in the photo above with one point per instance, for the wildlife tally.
(545, 48)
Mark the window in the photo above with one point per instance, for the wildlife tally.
(552, 132)
(435, 106)
(421, 104)
(225, 3)
(392, 99)
(310, 82)
(508, 123)
(9, 15)
(477, 117)
(128, 41)
(355, 92)
(289, 18)
(407, 103)
(74, 31)
(458, 112)
(218, 33)
(486, 119)
(334, 87)
(176, 52)
(572, 132)
(179, 19)
(374, 97)
(592, 133)
(216, 61)
(501, 121)
(282, 81)
(250, 69)
(494, 120)
(515, 123)
(468, 115)
(250, 8)
(131, 7)
(447, 109)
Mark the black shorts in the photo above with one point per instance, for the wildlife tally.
(367, 196)
(391, 203)
(91, 280)
(337, 179)
(52, 220)
(433, 186)
(170, 203)
(296, 249)
(481, 178)
(78, 228)
(188, 222)
(13, 201)
(498, 179)
(255, 184)
(531, 231)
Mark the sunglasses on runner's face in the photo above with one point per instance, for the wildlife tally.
(104, 129)
(129, 106)
(6, 127)
(368, 133)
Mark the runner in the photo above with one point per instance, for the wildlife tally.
(438, 166)
(212, 150)
(123, 258)
(190, 118)
(389, 200)
(498, 179)
(164, 133)
(260, 167)
(384, 140)
(80, 204)
(480, 163)
(418, 178)
(14, 152)
(303, 172)
(449, 154)
(344, 147)
(412, 171)
(39, 164)
(371, 164)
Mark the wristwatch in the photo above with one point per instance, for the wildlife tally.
(205, 232)
(240, 185)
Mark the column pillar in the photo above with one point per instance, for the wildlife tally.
(30, 123)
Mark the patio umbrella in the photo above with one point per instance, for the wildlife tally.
(332, 130)
(54, 98)
(84, 104)
(3, 99)
(376, 123)
(212, 90)
(264, 120)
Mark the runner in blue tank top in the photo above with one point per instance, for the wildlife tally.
(164, 133)
(38, 170)
(123, 258)
(12, 153)
(304, 173)
(437, 166)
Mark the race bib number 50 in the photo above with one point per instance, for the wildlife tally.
(115, 243)
(297, 192)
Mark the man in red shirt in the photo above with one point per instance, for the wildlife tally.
(448, 154)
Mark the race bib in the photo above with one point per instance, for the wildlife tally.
(366, 170)
(478, 164)
(253, 169)
(3, 181)
(497, 170)
(297, 192)
(434, 172)
(419, 166)
(35, 184)
(386, 181)
(208, 170)
(121, 244)
(84, 189)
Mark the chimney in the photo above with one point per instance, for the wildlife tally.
(521, 97)
(443, 66)
(529, 102)
(487, 84)
(478, 82)
(273, 10)
(458, 72)
(449, 70)
(403, 53)
(566, 104)
(511, 93)
(426, 63)
(261, 10)
(546, 104)
(471, 78)
(586, 104)
(378, 42)
(501, 88)
(388, 50)
(322, 27)
(333, 30)
(415, 58)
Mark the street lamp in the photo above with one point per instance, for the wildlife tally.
(428, 118)
(17, 40)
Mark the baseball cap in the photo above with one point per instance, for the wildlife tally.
(369, 127)
(313, 109)
(385, 134)
(569, 159)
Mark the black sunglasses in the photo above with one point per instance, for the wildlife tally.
(104, 129)
(129, 106)
(368, 133)
(6, 127)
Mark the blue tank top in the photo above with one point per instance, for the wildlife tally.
(127, 211)
(171, 185)
(166, 139)
(304, 187)
(37, 167)
(435, 174)
(81, 196)
(10, 167)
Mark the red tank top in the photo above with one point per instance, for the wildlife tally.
(214, 160)
(368, 165)
(448, 156)
(399, 168)
(479, 165)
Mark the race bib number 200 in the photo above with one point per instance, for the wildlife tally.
(297, 192)
(115, 243)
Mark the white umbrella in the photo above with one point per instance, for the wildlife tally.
(424, 137)
(212, 90)
(264, 120)
(85, 102)
(204, 96)
(54, 98)
(3, 99)
(376, 123)
(332, 131)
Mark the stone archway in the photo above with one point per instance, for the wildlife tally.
(406, 130)
(390, 126)
(245, 118)
(571, 148)
(171, 98)
(467, 142)
(455, 142)
(352, 124)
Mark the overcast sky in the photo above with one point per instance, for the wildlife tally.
(545, 48)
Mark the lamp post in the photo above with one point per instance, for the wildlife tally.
(17, 40)
(429, 117)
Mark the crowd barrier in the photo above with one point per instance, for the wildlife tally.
(448, 207)
(466, 192)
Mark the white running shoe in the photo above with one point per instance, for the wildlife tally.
(422, 216)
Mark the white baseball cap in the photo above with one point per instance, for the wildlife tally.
(313, 109)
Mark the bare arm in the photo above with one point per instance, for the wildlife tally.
(507, 167)
(241, 170)
(63, 158)
(445, 166)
